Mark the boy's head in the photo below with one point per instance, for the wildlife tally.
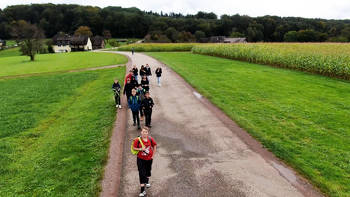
(144, 132)
(115, 80)
(128, 81)
(139, 86)
(147, 95)
(134, 66)
(133, 92)
(130, 71)
(144, 77)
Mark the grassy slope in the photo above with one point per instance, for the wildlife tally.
(302, 118)
(10, 52)
(57, 62)
(54, 133)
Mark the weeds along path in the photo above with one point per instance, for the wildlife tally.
(201, 151)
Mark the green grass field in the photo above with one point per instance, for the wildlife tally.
(54, 132)
(10, 52)
(302, 118)
(20, 65)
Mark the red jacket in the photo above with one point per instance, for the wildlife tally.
(147, 154)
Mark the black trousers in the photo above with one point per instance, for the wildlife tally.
(135, 117)
(117, 99)
(141, 112)
(148, 115)
(145, 168)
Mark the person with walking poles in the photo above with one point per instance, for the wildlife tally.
(135, 72)
(127, 88)
(147, 106)
(134, 103)
(148, 72)
(116, 89)
(159, 75)
(145, 83)
(145, 147)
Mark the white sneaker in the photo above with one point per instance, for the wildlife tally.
(148, 185)
(116, 106)
(143, 193)
(120, 106)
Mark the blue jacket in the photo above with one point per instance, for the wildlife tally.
(134, 103)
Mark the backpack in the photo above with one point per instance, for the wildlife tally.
(135, 152)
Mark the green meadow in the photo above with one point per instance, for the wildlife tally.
(44, 63)
(302, 118)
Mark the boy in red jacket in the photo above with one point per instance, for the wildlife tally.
(145, 158)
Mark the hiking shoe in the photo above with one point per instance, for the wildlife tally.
(116, 106)
(134, 124)
(138, 127)
(148, 185)
(120, 106)
(143, 193)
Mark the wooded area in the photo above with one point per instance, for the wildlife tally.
(132, 22)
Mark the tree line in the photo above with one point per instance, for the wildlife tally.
(173, 27)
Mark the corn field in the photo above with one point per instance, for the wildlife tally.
(329, 59)
(158, 47)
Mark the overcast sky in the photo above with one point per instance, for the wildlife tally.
(328, 9)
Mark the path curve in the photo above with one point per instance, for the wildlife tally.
(202, 152)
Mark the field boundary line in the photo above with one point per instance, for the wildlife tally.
(291, 175)
(113, 169)
(62, 71)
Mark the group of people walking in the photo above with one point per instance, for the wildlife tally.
(140, 103)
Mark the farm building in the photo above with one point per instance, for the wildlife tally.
(80, 43)
(223, 39)
(61, 43)
(2, 43)
(98, 42)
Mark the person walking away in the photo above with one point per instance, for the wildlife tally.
(132, 51)
(129, 76)
(134, 83)
(135, 72)
(127, 89)
(147, 106)
(147, 148)
(148, 72)
(145, 83)
(141, 93)
(159, 75)
(142, 71)
(134, 103)
(116, 89)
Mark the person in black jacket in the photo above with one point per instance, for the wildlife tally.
(135, 72)
(145, 83)
(133, 82)
(147, 105)
(142, 71)
(159, 75)
(148, 72)
(116, 88)
(127, 89)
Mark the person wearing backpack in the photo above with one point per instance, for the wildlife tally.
(159, 75)
(147, 105)
(141, 93)
(145, 147)
(116, 89)
(134, 103)
(127, 89)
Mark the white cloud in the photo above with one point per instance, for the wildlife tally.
(336, 9)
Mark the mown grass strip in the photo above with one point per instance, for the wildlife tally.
(302, 118)
(158, 47)
(60, 143)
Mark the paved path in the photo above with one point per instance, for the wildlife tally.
(199, 154)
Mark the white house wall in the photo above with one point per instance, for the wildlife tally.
(61, 49)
